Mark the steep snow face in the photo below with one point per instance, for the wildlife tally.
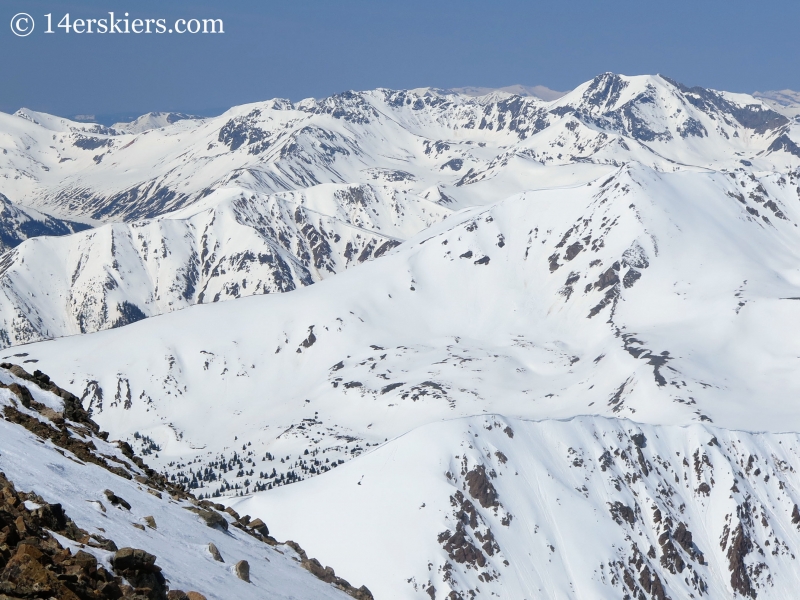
(152, 521)
(585, 508)
(233, 243)
(662, 297)
(475, 148)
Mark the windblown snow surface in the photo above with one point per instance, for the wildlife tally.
(145, 518)
(577, 381)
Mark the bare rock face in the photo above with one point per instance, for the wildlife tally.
(481, 488)
(181, 595)
(242, 570)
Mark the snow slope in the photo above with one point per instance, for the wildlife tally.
(663, 298)
(233, 243)
(587, 508)
(622, 297)
(180, 538)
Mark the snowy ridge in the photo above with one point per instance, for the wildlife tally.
(277, 146)
(233, 243)
(152, 120)
(540, 306)
(18, 224)
(398, 152)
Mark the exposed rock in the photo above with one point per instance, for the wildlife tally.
(242, 570)
(481, 488)
(140, 569)
(211, 517)
(34, 565)
(259, 527)
(116, 500)
(214, 552)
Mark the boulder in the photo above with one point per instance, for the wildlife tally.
(242, 570)
(211, 517)
(214, 552)
(259, 527)
(133, 559)
(116, 500)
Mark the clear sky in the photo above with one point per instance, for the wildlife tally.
(300, 48)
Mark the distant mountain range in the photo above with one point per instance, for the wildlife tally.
(503, 346)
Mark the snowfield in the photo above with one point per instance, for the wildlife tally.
(548, 351)
(177, 537)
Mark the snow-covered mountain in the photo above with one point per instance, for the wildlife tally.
(233, 243)
(536, 91)
(662, 298)
(420, 137)
(18, 224)
(575, 377)
(83, 517)
(152, 120)
(786, 102)
(367, 170)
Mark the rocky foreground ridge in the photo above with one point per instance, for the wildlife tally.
(44, 553)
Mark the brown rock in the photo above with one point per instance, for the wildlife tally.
(116, 500)
(195, 596)
(242, 570)
(86, 561)
(29, 577)
(134, 559)
(150, 522)
(214, 551)
(176, 595)
(211, 517)
(259, 527)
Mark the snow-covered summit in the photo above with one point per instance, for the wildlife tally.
(152, 120)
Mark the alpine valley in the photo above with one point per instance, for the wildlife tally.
(455, 344)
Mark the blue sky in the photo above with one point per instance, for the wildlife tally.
(300, 48)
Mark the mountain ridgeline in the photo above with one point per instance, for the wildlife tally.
(548, 351)
(276, 195)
